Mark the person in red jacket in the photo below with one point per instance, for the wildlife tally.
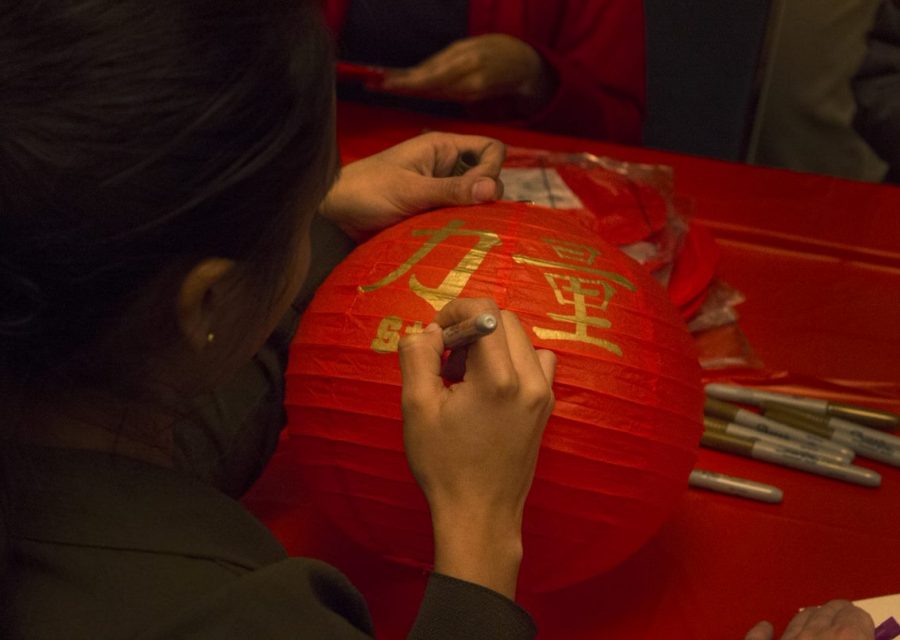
(573, 67)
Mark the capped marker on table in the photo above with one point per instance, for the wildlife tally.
(733, 413)
(746, 395)
(730, 485)
(716, 424)
(866, 442)
(468, 331)
(788, 457)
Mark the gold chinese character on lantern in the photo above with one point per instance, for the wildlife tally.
(584, 288)
(454, 282)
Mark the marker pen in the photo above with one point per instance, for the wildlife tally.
(720, 483)
(733, 413)
(465, 161)
(746, 395)
(866, 442)
(887, 630)
(787, 457)
(468, 331)
(715, 424)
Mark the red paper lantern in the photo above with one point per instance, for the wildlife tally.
(623, 437)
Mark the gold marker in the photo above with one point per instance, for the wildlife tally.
(788, 457)
(732, 428)
(466, 160)
(468, 331)
(733, 413)
(746, 395)
(867, 442)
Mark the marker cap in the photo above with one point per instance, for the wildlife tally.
(871, 417)
(720, 409)
(727, 442)
(790, 417)
(806, 421)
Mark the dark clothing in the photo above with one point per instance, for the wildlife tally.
(378, 33)
(107, 547)
(877, 88)
(101, 547)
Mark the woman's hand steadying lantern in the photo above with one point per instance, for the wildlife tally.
(473, 445)
(837, 620)
(413, 176)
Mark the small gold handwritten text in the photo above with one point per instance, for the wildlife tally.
(387, 337)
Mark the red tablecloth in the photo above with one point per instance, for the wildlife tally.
(819, 262)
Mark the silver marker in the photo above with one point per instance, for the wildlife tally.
(814, 438)
(867, 442)
(720, 483)
(746, 395)
(787, 457)
(468, 331)
(715, 424)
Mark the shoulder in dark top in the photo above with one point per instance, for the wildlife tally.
(104, 547)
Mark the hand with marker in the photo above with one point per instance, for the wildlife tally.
(413, 176)
(837, 620)
(473, 445)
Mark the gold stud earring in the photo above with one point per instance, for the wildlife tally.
(210, 337)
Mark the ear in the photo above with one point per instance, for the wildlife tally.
(200, 299)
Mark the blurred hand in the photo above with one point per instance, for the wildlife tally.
(837, 620)
(411, 177)
(476, 69)
(473, 446)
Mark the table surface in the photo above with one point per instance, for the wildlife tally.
(818, 260)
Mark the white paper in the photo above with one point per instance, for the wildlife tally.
(541, 186)
(881, 608)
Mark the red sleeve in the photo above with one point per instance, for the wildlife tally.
(335, 11)
(596, 48)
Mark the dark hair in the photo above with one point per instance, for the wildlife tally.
(138, 134)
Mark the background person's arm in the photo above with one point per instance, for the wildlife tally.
(877, 88)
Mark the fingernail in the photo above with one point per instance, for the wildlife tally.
(483, 190)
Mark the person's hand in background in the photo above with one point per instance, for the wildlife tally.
(837, 620)
(413, 176)
(473, 446)
(478, 69)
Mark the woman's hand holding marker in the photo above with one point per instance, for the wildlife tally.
(473, 445)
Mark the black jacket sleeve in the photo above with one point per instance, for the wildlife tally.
(454, 610)
(301, 598)
(289, 600)
(877, 88)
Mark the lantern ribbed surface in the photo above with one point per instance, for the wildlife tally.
(624, 433)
